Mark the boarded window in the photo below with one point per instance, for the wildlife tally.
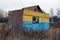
(35, 20)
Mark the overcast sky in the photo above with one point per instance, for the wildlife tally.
(45, 5)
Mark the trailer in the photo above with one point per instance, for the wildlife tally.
(29, 18)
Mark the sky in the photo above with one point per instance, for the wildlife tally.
(45, 5)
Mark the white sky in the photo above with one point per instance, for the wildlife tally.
(46, 5)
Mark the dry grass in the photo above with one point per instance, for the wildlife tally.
(50, 34)
(27, 36)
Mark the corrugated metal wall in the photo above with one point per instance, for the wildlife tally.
(28, 17)
(19, 18)
(15, 19)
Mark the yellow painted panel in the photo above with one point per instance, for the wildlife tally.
(40, 19)
(43, 20)
(27, 18)
(33, 13)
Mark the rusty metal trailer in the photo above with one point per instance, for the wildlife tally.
(32, 18)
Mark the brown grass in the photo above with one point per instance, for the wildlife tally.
(51, 34)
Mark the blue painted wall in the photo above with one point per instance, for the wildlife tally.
(36, 27)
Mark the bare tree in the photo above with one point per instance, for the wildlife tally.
(58, 13)
(3, 13)
(51, 14)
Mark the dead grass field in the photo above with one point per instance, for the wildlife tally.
(27, 36)
(51, 34)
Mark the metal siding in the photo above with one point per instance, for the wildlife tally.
(33, 13)
(15, 19)
(29, 18)
(34, 8)
(36, 27)
(43, 20)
